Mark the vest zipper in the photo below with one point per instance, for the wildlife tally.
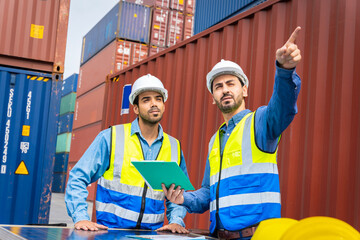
(143, 200)
(218, 186)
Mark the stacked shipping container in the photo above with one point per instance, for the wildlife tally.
(33, 40)
(125, 36)
(319, 154)
(65, 125)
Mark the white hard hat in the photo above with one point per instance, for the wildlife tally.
(147, 83)
(226, 67)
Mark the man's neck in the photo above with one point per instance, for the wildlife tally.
(149, 131)
(228, 116)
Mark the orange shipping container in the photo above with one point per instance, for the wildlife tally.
(175, 28)
(89, 107)
(159, 27)
(152, 3)
(154, 50)
(123, 52)
(319, 154)
(128, 53)
(33, 34)
(138, 52)
(188, 26)
(94, 71)
(190, 7)
(177, 5)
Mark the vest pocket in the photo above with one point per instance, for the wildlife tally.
(231, 159)
(251, 211)
(244, 181)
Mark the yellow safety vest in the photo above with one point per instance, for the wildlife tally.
(247, 177)
(134, 203)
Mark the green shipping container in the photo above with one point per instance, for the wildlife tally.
(63, 143)
(68, 103)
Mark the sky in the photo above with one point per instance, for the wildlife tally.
(84, 14)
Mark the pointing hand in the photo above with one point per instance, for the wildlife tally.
(288, 56)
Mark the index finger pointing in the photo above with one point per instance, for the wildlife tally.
(294, 35)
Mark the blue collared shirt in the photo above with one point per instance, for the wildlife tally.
(93, 164)
(270, 122)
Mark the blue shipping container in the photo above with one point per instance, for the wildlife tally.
(61, 162)
(211, 12)
(29, 104)
(125, 20)
(65, 123)
(69, 84)
(59, 180)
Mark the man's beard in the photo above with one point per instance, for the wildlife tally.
(148, 120)
(229, 107)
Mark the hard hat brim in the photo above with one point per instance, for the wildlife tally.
(162, 91)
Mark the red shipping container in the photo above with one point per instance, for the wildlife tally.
(190, 6)
(94, 71)
(188, 26)
(89, 107)
(175, 28)
(319, 154)
(123, 53)
(159, 27)
(177, 5)
(152, 3)
(138, 52)
(128, 53)
(33, 34)
(155, 49)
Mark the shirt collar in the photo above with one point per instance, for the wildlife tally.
(135, 128)
(235, 120)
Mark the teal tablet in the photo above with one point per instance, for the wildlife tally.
(157, 172)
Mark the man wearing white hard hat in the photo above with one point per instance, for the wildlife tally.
(241, 183)
(123, 200)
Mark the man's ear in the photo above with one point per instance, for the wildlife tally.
(213, 101)
(245, 91)
(136, 109)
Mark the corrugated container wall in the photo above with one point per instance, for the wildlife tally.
(33, 34)
(29, 106)
(211, 12)
(319, 154)
(125, 20)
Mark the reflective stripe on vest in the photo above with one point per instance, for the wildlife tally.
(249, 178)
(122, 179)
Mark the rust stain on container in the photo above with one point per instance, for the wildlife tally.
(319, 154)
(33, 34)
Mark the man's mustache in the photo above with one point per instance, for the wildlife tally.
(154, 109)
(226, 95)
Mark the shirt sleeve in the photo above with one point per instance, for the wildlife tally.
(176, 213)
(199, 201)
(273, 119)
(88, 169)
